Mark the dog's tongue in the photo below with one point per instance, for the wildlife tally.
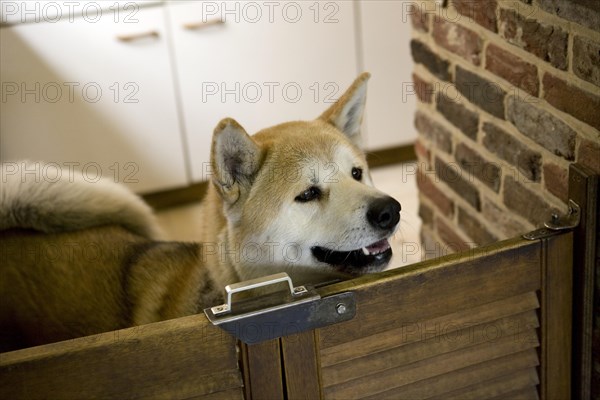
(378, 247)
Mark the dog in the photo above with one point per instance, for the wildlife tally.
(79, 258)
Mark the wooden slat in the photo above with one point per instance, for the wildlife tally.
(556, 317)
(442, 342)
(264, 379)
(583, 189)
(502, 385)
(461, 378)
(300, 354)
(371, 384)
(430, 289)
(229, 394)
(406, 334)
(182, 358)
(530, 393)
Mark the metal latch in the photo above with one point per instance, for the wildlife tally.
(558, 224)
(278, 313)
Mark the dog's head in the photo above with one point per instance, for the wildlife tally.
(298, 196)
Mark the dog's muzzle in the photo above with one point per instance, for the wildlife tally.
(383, 214)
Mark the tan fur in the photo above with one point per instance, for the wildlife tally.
(59, 285)
(65, 285)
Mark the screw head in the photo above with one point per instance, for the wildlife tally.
(300, 290)
(341, 308)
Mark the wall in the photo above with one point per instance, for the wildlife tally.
(509, 97)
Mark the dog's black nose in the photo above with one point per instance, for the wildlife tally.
(384, 213)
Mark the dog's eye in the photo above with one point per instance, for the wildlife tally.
(357, 173)
(312, 193)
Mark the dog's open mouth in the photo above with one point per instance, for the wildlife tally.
(367, 259)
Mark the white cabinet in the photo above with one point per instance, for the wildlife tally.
(266, 63)
(385, 43)
(72, 93)
(52, 11)
(133, 90)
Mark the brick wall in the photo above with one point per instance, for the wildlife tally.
(509, 96)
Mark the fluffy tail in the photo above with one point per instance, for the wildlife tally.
(47, 198)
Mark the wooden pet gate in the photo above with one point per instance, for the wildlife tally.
(510, 320)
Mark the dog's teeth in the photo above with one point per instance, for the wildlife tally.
(365, 251)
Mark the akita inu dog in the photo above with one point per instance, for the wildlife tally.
(79, 258)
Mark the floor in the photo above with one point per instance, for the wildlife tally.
(399, 181)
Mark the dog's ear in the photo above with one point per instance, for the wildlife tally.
(235, 159)
(347, 113)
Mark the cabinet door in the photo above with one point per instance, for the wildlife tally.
(267, 63)
(76, 95)
(15, 12)
(391, 104)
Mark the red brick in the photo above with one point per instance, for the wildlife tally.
(488, 95)
(419, 18)
(526, 203)
(422, 151)
(584, 12)
(586, 59)
(426, 214)
(450, 237)
(589, 155)
(474, 165)
(579, 103)
(458, 115)
(536, 123)
(512, 68)
(557, 181)
(475, 229)
(437, 197)
(482, 12)
(458, 181)
(509, 148)
(423, 89)
(502, 219)
(458, 39)
(422, 54)
(433, 131)
(547, 42)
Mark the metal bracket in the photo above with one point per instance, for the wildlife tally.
(279, 313)
(557, 224)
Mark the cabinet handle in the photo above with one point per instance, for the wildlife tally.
(136, 36)
(192, 26)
